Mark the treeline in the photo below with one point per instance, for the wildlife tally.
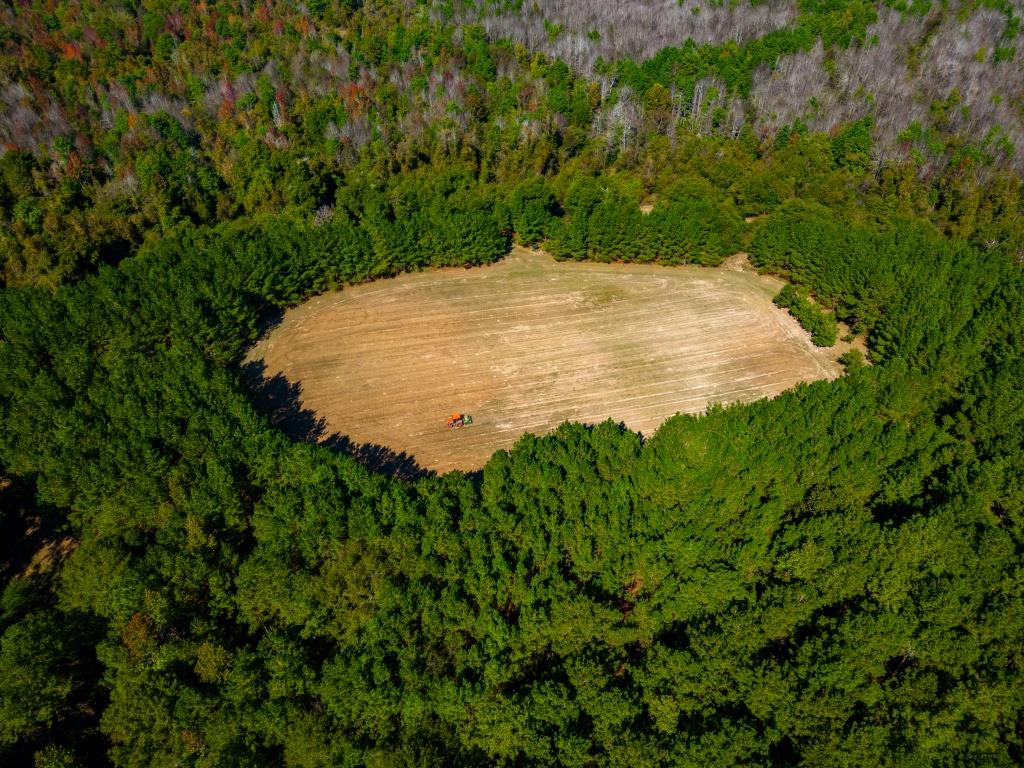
(813, 319)
(862, 272)
(604, 224)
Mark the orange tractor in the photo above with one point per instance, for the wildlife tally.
(459, 420)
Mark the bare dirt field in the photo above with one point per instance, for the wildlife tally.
(528, 343)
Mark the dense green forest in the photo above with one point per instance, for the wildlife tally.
(815, 321)
(829, 578)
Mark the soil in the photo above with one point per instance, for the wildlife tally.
(528, 343)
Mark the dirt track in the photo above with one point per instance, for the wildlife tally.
(528, 343)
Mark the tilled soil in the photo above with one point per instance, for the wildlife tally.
(528, 343)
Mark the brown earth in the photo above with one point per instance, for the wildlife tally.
(528, 343)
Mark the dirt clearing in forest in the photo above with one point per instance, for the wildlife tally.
(528, 343)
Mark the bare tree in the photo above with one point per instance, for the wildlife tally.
(582, 32)
(938, 71)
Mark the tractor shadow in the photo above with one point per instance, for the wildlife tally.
(280, 400)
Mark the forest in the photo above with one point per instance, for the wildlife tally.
(829, 578)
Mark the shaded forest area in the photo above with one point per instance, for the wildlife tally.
(828, 578)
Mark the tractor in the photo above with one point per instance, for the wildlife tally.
(459, 420)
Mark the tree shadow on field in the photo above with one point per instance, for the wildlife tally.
(268, 321)
(280, 400)
(377, 457)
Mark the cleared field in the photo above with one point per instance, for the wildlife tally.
(528, 343)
